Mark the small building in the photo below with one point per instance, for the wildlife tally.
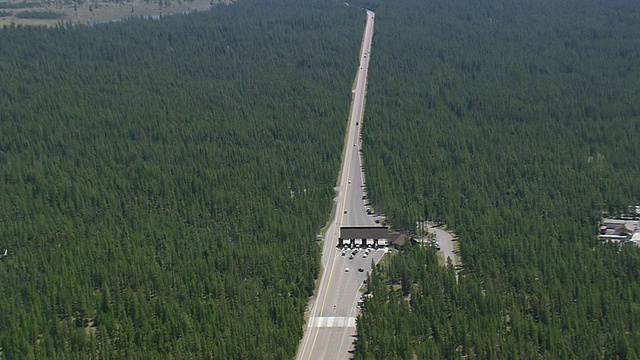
(369, 236)
(618, 230)
(344, 242)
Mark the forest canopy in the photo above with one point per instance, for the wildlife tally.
(517, 124)
(163, 181)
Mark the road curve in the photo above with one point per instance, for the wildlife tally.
(331, 324)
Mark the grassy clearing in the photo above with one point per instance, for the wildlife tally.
(90, 12)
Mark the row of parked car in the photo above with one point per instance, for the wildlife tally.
(354, 252)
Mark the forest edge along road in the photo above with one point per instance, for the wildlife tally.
(331, 321)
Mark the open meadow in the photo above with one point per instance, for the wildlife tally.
(89, 12)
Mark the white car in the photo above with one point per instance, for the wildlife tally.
(346, 269)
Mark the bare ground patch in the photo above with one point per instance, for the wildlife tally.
(98, 11)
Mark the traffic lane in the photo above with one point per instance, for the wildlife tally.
(359, 179)
(322, 289)
(336, 303)
(343, 284)
(357, 211)
(338, 284)
(355, 204)
(345, 184)
(311, 337)
(322, 338)
(343, 291)
(336, 341)
(345, 287)
(311, 348)
(333, 232)
(353, 276)
(330, 344)
(332, 304)
(342, 295)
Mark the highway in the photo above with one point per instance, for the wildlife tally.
(331, 324)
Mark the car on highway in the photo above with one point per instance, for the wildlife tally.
(346, 269)
(349, 181)
(345, 211)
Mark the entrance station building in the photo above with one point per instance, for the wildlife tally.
(364, 236)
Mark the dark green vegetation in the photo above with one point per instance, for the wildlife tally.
(516, 123)
(19, 5)
(43, 14)
(162, 182)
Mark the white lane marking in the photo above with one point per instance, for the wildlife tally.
(332, 322)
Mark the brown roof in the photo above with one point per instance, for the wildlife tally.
(364, 232)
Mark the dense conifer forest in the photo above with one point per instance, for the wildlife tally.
(516, 123)
(162, 182)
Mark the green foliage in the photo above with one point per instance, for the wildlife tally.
(39, 14)
(19, 5)
(162, 181)
(517, 124)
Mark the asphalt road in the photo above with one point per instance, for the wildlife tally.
(331, 324)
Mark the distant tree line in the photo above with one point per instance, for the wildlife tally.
(39, 14)
(19, 5)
